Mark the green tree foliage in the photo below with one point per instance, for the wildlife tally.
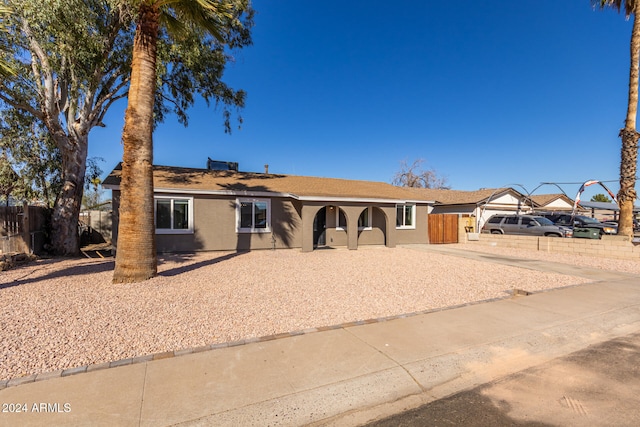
(72, 62)
(33, 156)
(413, 175)
(8, 178)
(5, 70)
(92, 193)
(601, 198)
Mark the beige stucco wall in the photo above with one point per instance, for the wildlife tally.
(215, 228)
(417, 235)
(214, 220)
(374, 236)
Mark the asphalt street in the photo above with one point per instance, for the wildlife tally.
(597, 386)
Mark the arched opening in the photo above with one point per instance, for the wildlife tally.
(380, 223)
(338, 228)
(372, 227)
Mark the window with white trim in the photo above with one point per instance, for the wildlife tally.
(341, 220)
(253, 215)
(364, 220)
(405, 216)
(173, 215)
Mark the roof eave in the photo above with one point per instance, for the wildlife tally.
(245, 193)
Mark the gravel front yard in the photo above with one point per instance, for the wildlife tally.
(58, 314)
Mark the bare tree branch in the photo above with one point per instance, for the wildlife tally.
(414, 176)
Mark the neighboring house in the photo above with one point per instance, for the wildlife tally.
(480, 205)
(203, 209)
(552, 202)
(477, 205)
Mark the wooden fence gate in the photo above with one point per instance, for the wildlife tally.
(22, 228)
(443, 228)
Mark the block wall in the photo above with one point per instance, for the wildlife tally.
(616, 247)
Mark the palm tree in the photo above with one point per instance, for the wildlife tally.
(136, 258)
(629, 135)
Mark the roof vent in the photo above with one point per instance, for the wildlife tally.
(219, 165)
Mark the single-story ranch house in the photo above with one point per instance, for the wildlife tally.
(220, 208)
(206, 209)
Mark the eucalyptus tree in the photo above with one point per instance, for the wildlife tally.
(72, 62)
(33, 155)
(5, 11)
(629, 135)
(217, 24)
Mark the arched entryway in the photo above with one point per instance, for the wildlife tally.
(337, 225)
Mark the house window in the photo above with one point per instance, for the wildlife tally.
(253, 215)
(173, 215)
(364, 220)
(405, 216)
(341, 220)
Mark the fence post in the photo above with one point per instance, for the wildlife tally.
(26, 231)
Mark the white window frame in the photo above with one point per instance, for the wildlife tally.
(369, 211)
(253, 201)
(403, 226)
(188, 230)
(338, 226)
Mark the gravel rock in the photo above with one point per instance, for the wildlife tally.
(63, 313)
(626, 266)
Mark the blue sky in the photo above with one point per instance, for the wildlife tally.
(488, 93)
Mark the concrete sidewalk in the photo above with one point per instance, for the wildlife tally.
(346, 375)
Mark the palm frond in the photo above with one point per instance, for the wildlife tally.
(628, 6)
(208, 15)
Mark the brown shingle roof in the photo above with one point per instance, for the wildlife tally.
(545, 199)
(460, 197)
(177, 178)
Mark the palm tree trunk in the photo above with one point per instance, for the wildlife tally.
(136, 258)
(629, 152)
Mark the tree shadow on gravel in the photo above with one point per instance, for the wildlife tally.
(108, 265)
(75, 270)
(190, 267)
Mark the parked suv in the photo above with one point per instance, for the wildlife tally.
(580, 221)
(636, 224)
(531, 225)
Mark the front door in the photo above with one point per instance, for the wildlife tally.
(319, 226)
